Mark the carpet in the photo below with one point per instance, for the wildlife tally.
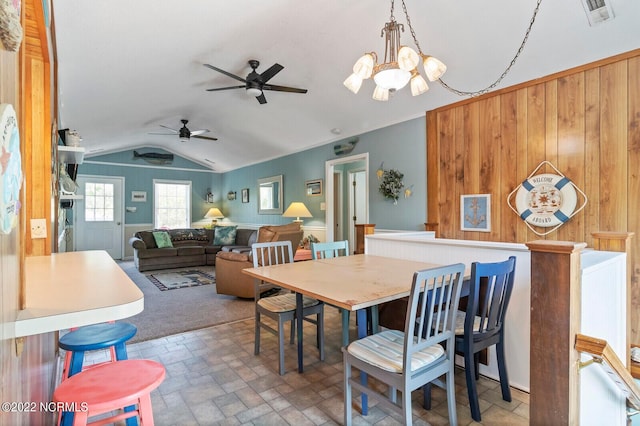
(191, 308)
(180, 279)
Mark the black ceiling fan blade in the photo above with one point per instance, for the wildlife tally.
(270, 72)
(226, 88)
(203, 137)
(228, 74)
(199, 132)
(158, 133)
(169, 128)
(261, 98)
(283, 88)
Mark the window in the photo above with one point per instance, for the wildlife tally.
(172, 204)
(98, 206)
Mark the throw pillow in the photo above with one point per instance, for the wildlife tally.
(224, 235)
(162, 239)
(265, 234)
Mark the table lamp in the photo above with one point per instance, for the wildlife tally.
(297, 210)
(213, 214)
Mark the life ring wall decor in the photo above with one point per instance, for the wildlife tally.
(10, 169)
(546, 200)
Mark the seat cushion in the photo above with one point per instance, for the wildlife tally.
(385, 350)
(285, 302)
(460, 315)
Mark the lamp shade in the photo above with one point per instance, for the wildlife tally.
(297, 210)
(214, 213)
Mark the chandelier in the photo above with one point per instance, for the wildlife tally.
(400, 64)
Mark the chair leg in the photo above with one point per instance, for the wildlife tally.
(406, 407)
(469, 372)
(426, 396)
(347, 392)
(281, 346)
(292, 336)
(256, 349)
(451, 397)
(502, 370)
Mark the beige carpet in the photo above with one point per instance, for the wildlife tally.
(184, 309)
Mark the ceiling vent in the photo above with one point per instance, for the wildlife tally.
(597, 11)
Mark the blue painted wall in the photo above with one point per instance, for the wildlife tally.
(401, 146)
(139, 175)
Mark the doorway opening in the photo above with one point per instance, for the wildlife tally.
(347, 203)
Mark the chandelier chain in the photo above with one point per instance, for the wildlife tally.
(504, 73)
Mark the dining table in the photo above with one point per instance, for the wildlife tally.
(352, 282)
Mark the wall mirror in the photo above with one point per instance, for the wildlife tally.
(270, 195)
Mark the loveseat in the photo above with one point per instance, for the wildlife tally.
(229, 264)
(177, 248)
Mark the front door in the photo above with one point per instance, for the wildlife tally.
(98, 216)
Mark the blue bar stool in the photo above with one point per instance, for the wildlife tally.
(112, 335)
(94, 337)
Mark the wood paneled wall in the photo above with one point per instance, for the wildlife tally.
(585, 121)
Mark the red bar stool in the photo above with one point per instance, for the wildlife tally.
(112, 387)
(93, 337)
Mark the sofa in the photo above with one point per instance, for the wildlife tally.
(229, 263)
(177, 248)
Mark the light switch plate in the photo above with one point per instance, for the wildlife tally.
(38, 228)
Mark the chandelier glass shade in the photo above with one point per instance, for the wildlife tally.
(399, 66)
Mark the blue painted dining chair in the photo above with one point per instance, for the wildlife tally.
(422, 353)
(281, 308)
(482, 325)
(329, 250)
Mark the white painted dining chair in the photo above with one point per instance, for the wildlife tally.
(422, 354)
(281, 308)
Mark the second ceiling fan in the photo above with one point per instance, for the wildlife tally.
(256, 83)
(184, 134)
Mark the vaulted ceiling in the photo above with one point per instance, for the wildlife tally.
(125, 69)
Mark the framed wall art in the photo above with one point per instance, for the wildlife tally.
(475, 212)
(313, 187)
(139, 196)
(245, 195)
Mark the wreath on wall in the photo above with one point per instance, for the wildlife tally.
(391, 185)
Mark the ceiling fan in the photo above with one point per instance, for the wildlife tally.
(184, 133)
(256, 83)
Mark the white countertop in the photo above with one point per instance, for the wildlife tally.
(73, 289)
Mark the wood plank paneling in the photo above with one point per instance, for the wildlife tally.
(585, 121)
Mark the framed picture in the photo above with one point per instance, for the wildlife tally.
(139, 196)
(231, 195)
(245, 195)
(475, 212)
(313, 187)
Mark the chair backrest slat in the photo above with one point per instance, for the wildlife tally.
(330, 249)
(431, 311)
(268, 254)
(491, 287)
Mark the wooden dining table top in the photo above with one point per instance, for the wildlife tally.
(349, 282)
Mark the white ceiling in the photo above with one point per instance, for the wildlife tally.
(127, 67)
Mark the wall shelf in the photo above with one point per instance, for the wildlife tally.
(70, 197)
(70, 154)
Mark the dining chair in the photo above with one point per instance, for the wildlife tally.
(422, 353)
(329, 250)
(482, 326)
(282, 307)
